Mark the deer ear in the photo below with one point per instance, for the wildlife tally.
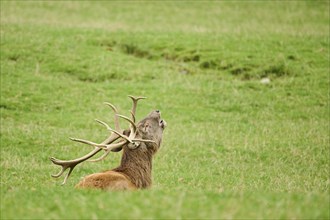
(117, 149)
(126, 132)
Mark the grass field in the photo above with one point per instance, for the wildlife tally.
(234, 147)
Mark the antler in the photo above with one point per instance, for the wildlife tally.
(108, 144)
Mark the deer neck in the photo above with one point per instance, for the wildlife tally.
(137, 166)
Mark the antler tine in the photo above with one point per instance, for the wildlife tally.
(135, 100)
(101, 158)
(62, 170)
(132, 126)
(133, 117)
(103, 123)
(65, 164)
(121, 135)
(103, 146)
(127, 119)
(108, 149)
(116, 119)
(67, 175)
(114, 132)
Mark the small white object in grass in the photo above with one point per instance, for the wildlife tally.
(265, 80)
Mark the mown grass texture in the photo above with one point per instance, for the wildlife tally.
(234, 147)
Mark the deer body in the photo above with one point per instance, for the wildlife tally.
(134, 172)
(140, 144)
(109, 180)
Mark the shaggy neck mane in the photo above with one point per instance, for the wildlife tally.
(137, 166)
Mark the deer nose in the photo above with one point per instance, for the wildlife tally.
(157, 111)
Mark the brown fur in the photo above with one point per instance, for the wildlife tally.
(135, 169)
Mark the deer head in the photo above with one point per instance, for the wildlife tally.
(146, 134)
(151, 128)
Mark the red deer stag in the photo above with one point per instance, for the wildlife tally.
(139, 143)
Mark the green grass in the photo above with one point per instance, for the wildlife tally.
(234, 147)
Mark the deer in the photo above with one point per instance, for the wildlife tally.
(138, 144)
